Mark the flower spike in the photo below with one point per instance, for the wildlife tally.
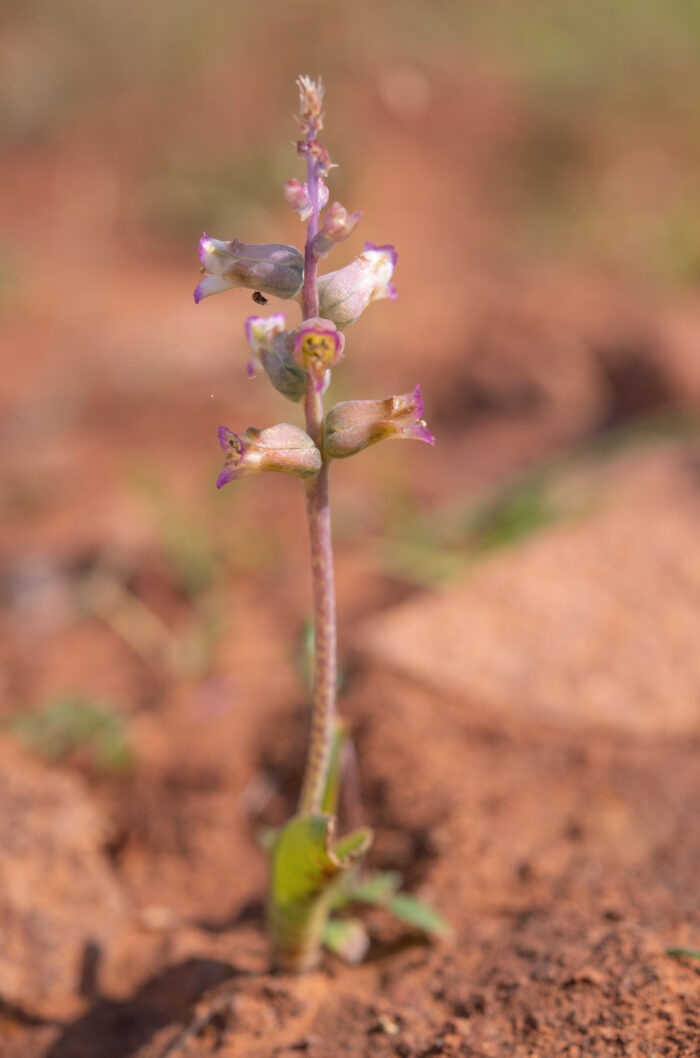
(310, 867)
(272, 268)
(356, 424)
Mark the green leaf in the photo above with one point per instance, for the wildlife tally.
(517, 511)
(266, 838)
(301, 860)
(334, 776)
(692, 953)
(381, 890)
(306, 859)
(377, 888)
(69, 723)
(306, 866)
(351, 847)
(347, 938)
(410, 909)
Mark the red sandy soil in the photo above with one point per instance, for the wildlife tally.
(563, 850)
(565, 859)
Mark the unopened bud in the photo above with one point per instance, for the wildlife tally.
(310, 104)
(272, 268)
(296, 195)
(270, 343)
(356, 424)
(337, 225)
(286, 376)
(264, 332)
(317, 347)
(320, 157)
(285, 449)
(345, 294)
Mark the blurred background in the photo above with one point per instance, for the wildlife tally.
(537, 167)
(535, 164)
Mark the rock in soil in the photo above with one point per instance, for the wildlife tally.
(593, 623)
(59, 902)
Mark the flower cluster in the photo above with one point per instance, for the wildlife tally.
(298, 359)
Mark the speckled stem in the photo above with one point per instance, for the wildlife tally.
(323, 581)
(323, 717)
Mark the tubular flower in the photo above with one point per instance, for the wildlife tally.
(356, 424)
(271, 268)
(337, 225)
(317, 347)
(286, 376)
(269, 342)
(345, 294)
(284, 448)
(296, 195)
(264, 333)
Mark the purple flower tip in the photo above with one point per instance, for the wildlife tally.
(383, 249)
(225, 436)
(197, 294)
(224, 477)
(420, 407)
(202, 255)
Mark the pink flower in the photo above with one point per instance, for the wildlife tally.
(271, 345)
(356, 424)
(284, 448)
(272, 268)
(337, 225)
(264, 333)
(345, 294)
(317, 347)
(296, 195)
